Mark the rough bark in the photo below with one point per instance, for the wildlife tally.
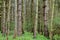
(19, 9)
(8, 18)
(15, 29)
(3, 19)
(45, 11)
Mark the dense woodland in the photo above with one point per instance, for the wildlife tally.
(29, 19)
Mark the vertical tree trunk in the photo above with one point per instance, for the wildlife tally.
(36, 16)
(15, 29)
(12, 11)
(52, 15)
(8, 18)
(0, 14)
(24, 13)
(8, 15)
(45, 11)
(19, 9)
(38, 28)
(3, 19)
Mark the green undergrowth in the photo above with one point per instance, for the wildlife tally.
(25, 36)
(56, 37)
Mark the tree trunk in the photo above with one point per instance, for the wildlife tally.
(15, 29)
(8, 18)
(52, 15)
(45, 11)
(19, 9)
(12, 10)
(24, 14)
(3, 19)
(36, 17)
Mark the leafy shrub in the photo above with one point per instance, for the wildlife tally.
(56, 37)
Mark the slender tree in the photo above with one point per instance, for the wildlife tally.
(40, 17)
(8, 15)
(52, 15)
(36, 16)
(12, 10)
(15, 29)
(0, 13)
(3, 18)
(8, 18)
(24, 13)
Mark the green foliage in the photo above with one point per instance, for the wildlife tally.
(56, 37)
(25, 36)
(57, 20)
(12, 23)
(1, 37)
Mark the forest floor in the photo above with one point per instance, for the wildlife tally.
(25, 36)
(28, 36)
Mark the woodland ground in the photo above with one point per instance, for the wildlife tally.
(25, 36)
(28, 36)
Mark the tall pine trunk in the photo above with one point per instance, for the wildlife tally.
(3, 18)
(12, 10)
(19, 11)
(8, 18)
(15, 29)
(24, 13)
(45, 11)
(36, 17)
(52, 15)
